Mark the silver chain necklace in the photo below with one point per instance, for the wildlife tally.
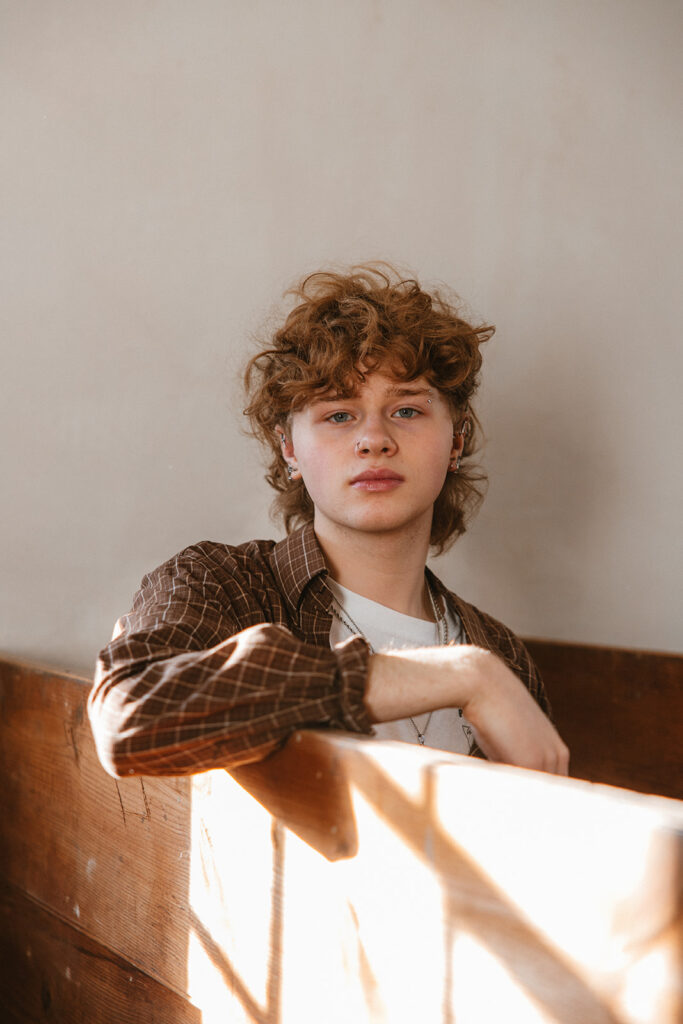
(441, 628)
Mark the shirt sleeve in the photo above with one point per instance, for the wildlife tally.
(172, 695)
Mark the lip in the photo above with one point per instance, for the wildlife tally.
(377, 480)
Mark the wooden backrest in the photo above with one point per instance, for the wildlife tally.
(341, 880)
(620, 712)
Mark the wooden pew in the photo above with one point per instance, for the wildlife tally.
(342, 880)
(620, 712)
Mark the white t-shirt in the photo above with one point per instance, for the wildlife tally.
(386, 630)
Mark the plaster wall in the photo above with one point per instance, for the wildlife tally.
(169, 168)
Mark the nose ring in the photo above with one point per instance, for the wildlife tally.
(363, 446)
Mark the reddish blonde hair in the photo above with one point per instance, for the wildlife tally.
(370, 317)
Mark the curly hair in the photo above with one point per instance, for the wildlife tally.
(344, 326)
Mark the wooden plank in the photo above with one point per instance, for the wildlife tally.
(474, 893)
(620, 712)
(111, 856)
(368, 881)
(52, 971)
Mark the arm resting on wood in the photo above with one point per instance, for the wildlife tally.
(183, 687)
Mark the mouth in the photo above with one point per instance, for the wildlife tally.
(377, 480)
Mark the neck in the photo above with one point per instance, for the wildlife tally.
(383, 567)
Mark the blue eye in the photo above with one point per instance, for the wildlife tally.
(406, 413)
(339, 417)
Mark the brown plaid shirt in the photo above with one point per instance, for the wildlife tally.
(226, 652)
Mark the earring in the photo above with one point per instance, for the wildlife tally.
(289, 472)
(454, 465)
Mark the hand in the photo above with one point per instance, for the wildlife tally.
(509, 725)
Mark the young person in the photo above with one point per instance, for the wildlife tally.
(363, 399)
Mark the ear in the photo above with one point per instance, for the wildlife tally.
(287, 449)
(458, 445)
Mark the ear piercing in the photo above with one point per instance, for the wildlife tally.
(290, 470)
(454, 464)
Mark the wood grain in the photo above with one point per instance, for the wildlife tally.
(54, 972)
(341, 880)
(509, 894)
(89, 847)
(620, 712)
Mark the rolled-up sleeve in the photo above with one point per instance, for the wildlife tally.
(184, 687)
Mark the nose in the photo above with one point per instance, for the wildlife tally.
(375, 441)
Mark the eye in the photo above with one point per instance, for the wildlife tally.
(406, 412)
(339, 417)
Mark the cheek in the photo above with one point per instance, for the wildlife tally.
(320, 487)
(439, 465)
(442, 450)
(437, 479)
(312, 463)
(307, 456)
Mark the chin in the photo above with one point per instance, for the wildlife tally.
(388, 524)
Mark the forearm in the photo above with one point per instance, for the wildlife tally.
(159, 711)
(412, 682)
(508, 723)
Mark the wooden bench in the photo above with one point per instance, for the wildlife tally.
(347, 880)
(620, 711)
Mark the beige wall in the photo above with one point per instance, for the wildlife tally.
(169, 167)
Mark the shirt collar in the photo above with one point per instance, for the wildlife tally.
(468, 615)
(297, 560)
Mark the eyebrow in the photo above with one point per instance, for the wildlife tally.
(393, 392)
(398, 392)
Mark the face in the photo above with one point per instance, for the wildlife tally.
(375, 462)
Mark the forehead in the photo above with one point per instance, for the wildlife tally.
(377, 384)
